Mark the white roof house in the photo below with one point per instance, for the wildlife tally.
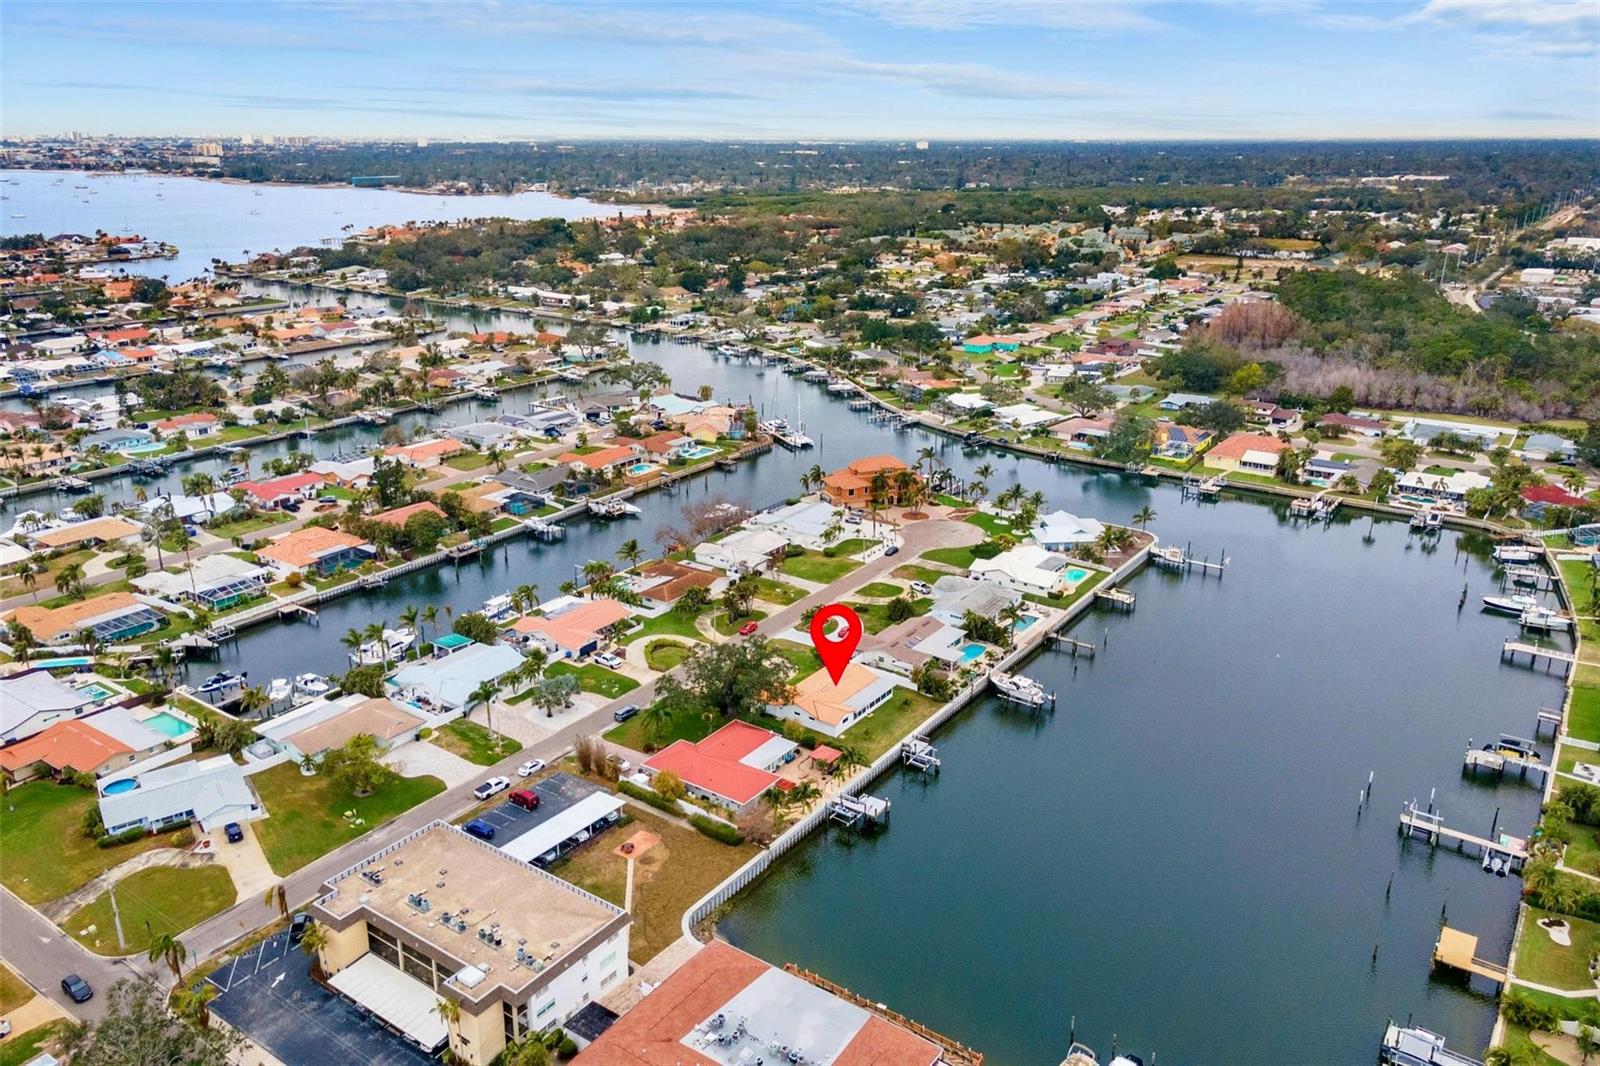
(1025, 415)
(954, 596)
(211, 792)
(193, 508)
(802, 523)
(1060, 530)
(1027, 568)
(1441, 486)
(742, 551)
(211, 578)
(30, 703)
(447, 683)
(967, 401)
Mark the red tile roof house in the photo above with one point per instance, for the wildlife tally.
(605, 460)
(424, 454)
(576, 631)
(1250, 453)
(733, 767)
(1541, 497)
(397, 516)
(272, 493)
(199, 424)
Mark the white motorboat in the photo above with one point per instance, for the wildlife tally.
(499, 608)
(221, 681)
(388, 648)
(312, 685)
(1545, 620)
(612, 508)
(1515, 553)
(280, 689)
(1019, 688)
(1516, 604)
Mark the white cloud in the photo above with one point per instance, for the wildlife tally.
(1542, 13)
(949, 15)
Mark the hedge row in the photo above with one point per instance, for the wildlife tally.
(648, 795)
(720, 831)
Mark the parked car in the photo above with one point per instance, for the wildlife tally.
(525, 799)
(607, 660)
(623, 765)
(622, 714)
(480, 829)
(235, 832)
(491, 787)
(298, 926)
(77, 988)
(922, 588)
(327, 498)
(893, 549)
(746, 629)
(531, 767)
(290, 505)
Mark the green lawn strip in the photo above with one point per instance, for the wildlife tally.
(474, 743)
(804, 657)
(1561, 1005)
(913, 572)
(1543, 961)
(730, 626)
(880, 589)
(306, 815)
(46, 853)
(1086, 586)
(814, 566)
(849, 546)
(779, 592)
(875, 616)
(1583, 850)
(466, 461)
(156, 900)
(255, 523)
(663, 654)
(14, 991)
(596, 679)
(960, 558)
(16, 1051)
(889, 724)
(990, 524)
(666, 624)
(1583, 715)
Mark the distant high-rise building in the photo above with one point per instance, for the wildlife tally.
(212, 149)
(922, 146)
(247, 140)
(422, 142)
(268, 139)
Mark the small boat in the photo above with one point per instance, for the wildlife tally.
(311, 685)
(612, 508)
(221, 681)
(1516, 604)
(1514, 748)
(1545, 620)
(280, 689)
(499, 608)
(1435, 521)
(390, 647)
(1018, 688)
(1515, 553)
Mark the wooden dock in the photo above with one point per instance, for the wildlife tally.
(1429, 825)
(1115, 597)
(919, 754)
(1550, 656)
(1459, 951)
(1477, 759)
(1074, 645)
(1183, 560)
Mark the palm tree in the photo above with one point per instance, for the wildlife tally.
(30, 580)
(430, 615)
(656, 719)
(314, 939)
(353, 640)
(170, 948)
(69, 579)
(410, 616)
(1588, 1046)
(252, 700)
(194, 1003)
(1575, 481)
(277, 896)
(448, 1010)
(816, 475)
(804, 794)
(630, 552)
(986, 472)
(374, 635)
(485, 694)
(1144, 516)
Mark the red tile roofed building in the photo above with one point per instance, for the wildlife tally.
(576, 631)
(1254, 453)
(397, 516)
(853, 484)
(118, 289)
(270, 493)
(426, 453)
(781, 1007)
(663, 443)
(603, 460)
(1366, 427)
(115, 338)
(1553, 496)
(733, 766)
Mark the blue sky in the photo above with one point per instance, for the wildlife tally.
(1046, 69)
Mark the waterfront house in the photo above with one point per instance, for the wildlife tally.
(1023, 416)
(424, 455)
(819, 704)
(1441, 488)
(1063, 531)
(196, 426)
(575, 631)
(37, 460)
(215, 582)
(606, 461)
(355, 474)
(852, 485)
(954, 596)
(89, 534)
(315, 550)
(1173, 441)
(322, 726)
(194, 508)
(898, 647)
(107, 741)
(398, 516)
(667, 444)
(1030, 569)
(118, 439)
(113, 617)
(744, 551)
(1251, 453)
(211, 792)
(663, 581)
(733, 767)
(1082, 433)
(1542, 497)
(444, 685)
(34, 701)
(1323, 471)
(391, 948)
(806, 524)
(274, 492)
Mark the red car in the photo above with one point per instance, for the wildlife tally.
(746, 629)
(525, 799)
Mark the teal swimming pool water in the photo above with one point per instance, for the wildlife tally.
(56, 664)
(168, 724)
(1076, 574)
(970, 652)
(1024, 622)
(699, 451)
(638, 469)
(127, 784)
(96, 691)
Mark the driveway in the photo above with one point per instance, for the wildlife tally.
(245, 861)
(422, 758)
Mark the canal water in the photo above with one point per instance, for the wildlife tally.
(224, 220)
(1173, 859)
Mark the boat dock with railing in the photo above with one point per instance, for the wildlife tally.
(855, 811)
(919, 753)
(1508, 753)
(1113, 597)
(1510, 649)
(1173, 557)
(1429, 825)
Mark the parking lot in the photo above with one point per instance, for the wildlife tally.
(556, 793)
(268, 994)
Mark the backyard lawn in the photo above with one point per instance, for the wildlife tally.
(14, 991)
(666, 624)
(1543, 961)
(665, 654)
(46, 853)
(307, 814)
(889, 724)
(730, 626)
(160, 899)
(774, 591)
(468, 460)
(880, 590)
(993, 525)
(960, 558)
(25, 1048)
(814, 566)
(913, 572)
(804, 657)
(667, 878)
(851, 546)
(1583, 716)
(474, 743)
(596, 679)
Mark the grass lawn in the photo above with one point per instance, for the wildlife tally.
(730, 626)
(960, 558)
(667, 878)
(46, 585)
(804, 656)
(14, 991)
(666, 624)
(849, 546)
(594, 678)
(25, 1048)
(474, 743)
(880, 589)
(252, 524)
(308, 813)
(466, 461)
(875, 616)
(993, 525)
(664, 654)
(161, 899)
(774, 591)
(913, 572)
(46, 853)
(633, 734)
(886, 726)
(1583, 714)
(814, 566)
(1084, 587)
(1543, 961)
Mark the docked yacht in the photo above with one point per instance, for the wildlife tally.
(499, 608)
(788, 436)
(280, 689)
(1018, 688)
(1515, 604)
(221, 681)
(312, 685)
(1515, 553)
(612, 508)
(388, 648)
(1545, 620)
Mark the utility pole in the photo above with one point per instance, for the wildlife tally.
(116, 917)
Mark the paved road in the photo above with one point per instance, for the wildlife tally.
(42, 963)
(43, 955)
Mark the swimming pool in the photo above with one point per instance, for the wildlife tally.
(699, 451)
(970, 652)
(57, 664)
(1077, 574)
(1024, 622)
(96, 691)
(640, 469)
(169, 725)
(127, 784)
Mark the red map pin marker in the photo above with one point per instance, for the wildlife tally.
(835, 632)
